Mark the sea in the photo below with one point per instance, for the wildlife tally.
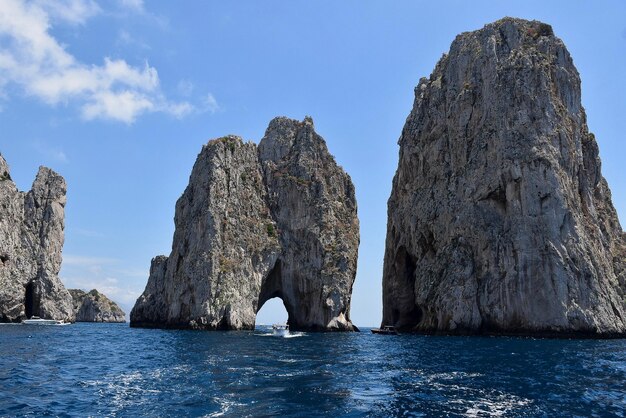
(113, 370)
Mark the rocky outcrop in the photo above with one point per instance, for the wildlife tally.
(31, 240)
(499, 219)
(93, 306)
(224, 246)
(313, 202)
(277, 220)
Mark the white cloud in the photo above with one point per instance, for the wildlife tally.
(180, 110)
(211, 104)
(31, 58)
(123, 106)
(125, 38)
(120, 282)
(71, 11)
(124, 294)
(132, 5)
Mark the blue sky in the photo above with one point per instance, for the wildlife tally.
(119, 97)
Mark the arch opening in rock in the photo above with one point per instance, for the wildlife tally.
(277, 309)
(273, 311)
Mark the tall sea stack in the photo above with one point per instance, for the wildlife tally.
(277, 220)
(31, 241)
(499, 220)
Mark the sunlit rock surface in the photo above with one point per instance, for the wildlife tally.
(277, 220)
(499, 220)
(31, 241)
(94, 306)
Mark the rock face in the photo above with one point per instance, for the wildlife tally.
(93, 306)
(499, 219)
(31, 240)
(277, 220)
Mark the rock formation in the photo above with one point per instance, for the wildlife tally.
(93, 306)
(31, 240)
(277, 220)
(499, 219)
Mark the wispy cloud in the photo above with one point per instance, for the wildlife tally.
(70, 11)
(132, 5)
(211, 104)
(50, 152)
(131, 8)
(31, 58)
(124, 294)
(125, 38)
(111, 276)
(110, 286)
(77, 260)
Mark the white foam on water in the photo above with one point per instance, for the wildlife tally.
(288, 335)
(294, 335)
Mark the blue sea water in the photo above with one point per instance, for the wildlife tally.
(114, 370)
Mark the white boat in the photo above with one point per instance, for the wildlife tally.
(35, 320)
(280, 329)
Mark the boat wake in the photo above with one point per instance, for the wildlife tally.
(288, 335)
(294, 335)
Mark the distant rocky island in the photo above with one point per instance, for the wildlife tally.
(31, 242)
(93, 306)
(257, 222)
(31, 231)
(500, 221)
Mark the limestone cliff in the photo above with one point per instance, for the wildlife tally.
(312, 200)
(224, 246)
(499, 220)
(93, 306)
(31, 241)
(256, 223)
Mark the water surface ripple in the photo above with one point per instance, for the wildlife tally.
(113, 370)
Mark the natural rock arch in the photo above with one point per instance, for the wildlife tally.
(255, 223)
(272, 288)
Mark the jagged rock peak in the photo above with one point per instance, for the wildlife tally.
(282, 134)
(31, 241)
(4, 169)
(238, 224)
(499, 220)
(94, 306)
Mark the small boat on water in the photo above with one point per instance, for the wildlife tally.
(35, 320)
(280, 329)
(386, 330)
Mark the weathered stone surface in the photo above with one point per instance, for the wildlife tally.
(312, 200)
(253, 224)
(499, 219)
(93, 306)
(31, 241)
(222, 250)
